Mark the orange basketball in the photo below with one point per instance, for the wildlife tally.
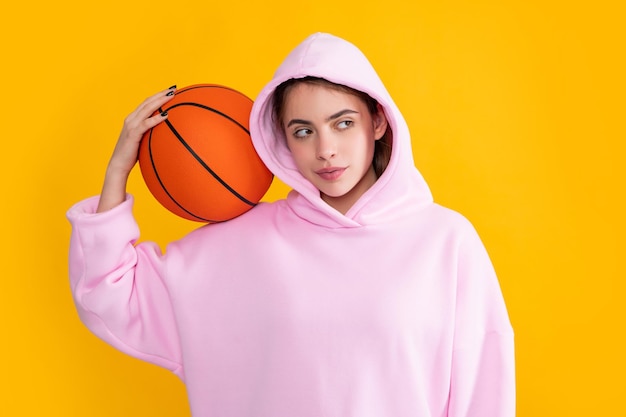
(200, 163)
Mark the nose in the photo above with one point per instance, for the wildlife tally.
(326, 147)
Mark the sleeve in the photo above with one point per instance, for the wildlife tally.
(483, 359)
(120, 288)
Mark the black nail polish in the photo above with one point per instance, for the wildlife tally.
(172, 87)
(171, 93)
(164, 114)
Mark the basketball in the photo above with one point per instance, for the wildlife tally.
(200, 163)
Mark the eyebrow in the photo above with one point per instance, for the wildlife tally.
(328, 119)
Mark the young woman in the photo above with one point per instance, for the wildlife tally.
(356, 296)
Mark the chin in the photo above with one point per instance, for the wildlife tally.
(334, 193)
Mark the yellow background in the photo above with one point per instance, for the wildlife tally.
(517, 115)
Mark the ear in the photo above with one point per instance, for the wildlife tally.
(379, 121)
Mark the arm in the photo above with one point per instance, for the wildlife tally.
(120, 289)
(126, 149)
(483, 362)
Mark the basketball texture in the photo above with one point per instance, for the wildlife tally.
(200, 163)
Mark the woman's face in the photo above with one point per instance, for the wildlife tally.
(331, 136)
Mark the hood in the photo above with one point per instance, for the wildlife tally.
(399, 191)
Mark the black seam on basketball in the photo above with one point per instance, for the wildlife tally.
(202, 106)
(205, 166)
(156, 173)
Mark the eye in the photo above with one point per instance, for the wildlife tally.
(344, 124)
(302, 132)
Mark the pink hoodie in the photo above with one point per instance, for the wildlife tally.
(295, 310)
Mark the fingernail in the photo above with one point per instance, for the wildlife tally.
(164, 114)
(171, 93)
(172, 87)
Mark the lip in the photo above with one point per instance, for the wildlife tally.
(330, 173)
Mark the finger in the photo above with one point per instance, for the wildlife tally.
(154, 120)
(144, 117)
(136, 128)
(154, 102)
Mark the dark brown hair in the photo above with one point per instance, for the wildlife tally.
(382, 147)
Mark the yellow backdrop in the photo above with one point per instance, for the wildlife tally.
(517, 115)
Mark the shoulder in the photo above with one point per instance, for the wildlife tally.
(260, 219)
(448, 220)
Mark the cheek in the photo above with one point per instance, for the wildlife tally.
(366, 145)
(298, 151)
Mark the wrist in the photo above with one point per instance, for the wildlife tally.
(113, 189)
